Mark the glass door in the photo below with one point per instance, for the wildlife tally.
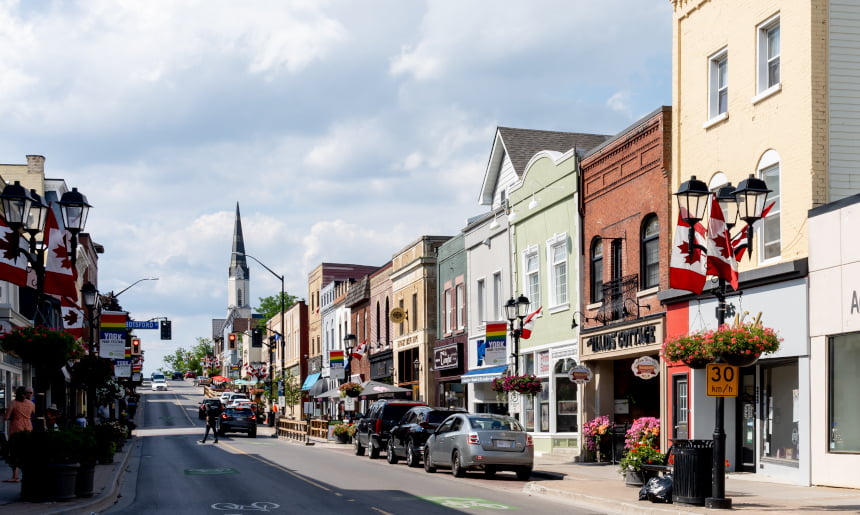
(680, 407)
(745, 460)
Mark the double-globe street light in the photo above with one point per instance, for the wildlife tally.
(348, 345)
(283, 338)
(746, 202)
(516, 310)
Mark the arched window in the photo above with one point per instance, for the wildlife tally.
(597, 269)
(650, 252)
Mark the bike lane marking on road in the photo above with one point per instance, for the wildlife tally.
(210, 472)
(469, 502)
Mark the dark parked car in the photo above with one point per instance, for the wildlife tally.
(409, 435)
(238, 420)
(177, 376)
(371, 431)
(480, 441)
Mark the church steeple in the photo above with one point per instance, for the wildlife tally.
(238, 281)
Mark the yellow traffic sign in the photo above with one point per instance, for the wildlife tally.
(722, 380)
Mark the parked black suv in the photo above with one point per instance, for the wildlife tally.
(410, 434)
(372, 430)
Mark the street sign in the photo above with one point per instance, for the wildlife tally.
(134, 324)
(722, 380)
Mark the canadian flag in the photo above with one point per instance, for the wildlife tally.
(359, 350)
(13, 264)
(73, 317)
(529, 323)
(741, 237)
(687, 265)
(59, 276)
(721, 254)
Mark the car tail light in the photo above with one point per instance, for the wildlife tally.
(378, 425)
(474, 439)
(224, 416)
(529, 441)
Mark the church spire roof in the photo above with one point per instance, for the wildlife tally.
(237, 257)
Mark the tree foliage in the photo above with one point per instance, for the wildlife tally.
(271, 305)
(184, 360)
(292, 392)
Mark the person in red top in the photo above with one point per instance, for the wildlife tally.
(20, 415)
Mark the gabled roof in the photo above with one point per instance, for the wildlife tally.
(520, 145)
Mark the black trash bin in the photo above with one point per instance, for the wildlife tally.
(271, 419)
(692, 471)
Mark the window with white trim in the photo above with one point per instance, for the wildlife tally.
(768, 54)
(770, 240)
(461, 306)
(597, 269)
(497, 296)
(531, 269)
(480, 300)
(449, 312)
(650, 252)
(718, 84)
(557, 261)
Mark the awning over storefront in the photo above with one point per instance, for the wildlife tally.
(310, 380)
(483, 375)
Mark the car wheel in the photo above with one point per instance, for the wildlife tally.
(428, 465)
(389, 453)
(412, 457)
(524, 473)
(456, 468)
(373, 450)
(357, 447)
(490, 471)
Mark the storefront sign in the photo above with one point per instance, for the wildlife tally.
(642, 335)
(580, 374)
(122, 368)
(494, 350)
(645, 367)
(446, 357)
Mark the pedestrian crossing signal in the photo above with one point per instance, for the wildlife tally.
(166, 330)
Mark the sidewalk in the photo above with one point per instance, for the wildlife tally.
(597, 485)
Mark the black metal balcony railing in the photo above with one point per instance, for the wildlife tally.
(619, 300)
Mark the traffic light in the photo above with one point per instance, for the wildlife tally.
(256, 337)
(165, 329)
(232, 338)
(135, 346)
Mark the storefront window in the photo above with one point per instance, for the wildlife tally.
(453, 395)
(565, 394)
(780, 410)
(843, 385)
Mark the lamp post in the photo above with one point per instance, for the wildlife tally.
(75, 209)
(283, 308)
(348, 345)
(110, 298)
(90, 297)
(516, 309)
(749, 200)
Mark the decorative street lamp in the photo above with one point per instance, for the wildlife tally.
(75, 209)
(749, 202)
(516, 310)
(90, 298)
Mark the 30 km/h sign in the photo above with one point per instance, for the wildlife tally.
(722, 380)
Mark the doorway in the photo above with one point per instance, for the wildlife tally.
(746, 416)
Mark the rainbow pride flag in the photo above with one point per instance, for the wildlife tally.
(496, 332)
(335, 358)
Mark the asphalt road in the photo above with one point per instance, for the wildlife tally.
(170, 472)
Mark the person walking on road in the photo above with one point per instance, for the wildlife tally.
(213, 411)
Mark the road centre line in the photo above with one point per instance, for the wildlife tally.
(275, 465)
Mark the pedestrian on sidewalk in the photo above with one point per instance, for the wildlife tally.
(19, 416)
(213, 411)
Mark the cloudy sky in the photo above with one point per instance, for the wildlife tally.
(343, 129)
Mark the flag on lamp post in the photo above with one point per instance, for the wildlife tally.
(687, 264)
(13, 262)
(721, 255)
(59, 275)
(529, 323)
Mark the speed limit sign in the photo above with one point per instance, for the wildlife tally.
(722, 380)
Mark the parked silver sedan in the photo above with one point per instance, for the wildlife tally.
(467, 441)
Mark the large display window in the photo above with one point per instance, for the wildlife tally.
(781, 410)
(843, 385)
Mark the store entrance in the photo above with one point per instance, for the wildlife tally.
(634, 397)
(746, 416)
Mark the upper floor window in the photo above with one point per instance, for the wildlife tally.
(650, 252)
(414, 311)
(461, 306)
(718, 84)
(449, 312)
(597, 270)
(770, 241)
(768, 54)
(532, 276)
(480, 300)
(557, 254)
(497, 296)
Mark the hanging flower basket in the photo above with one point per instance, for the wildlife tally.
(527, 384)
(40, 346)
(350, 389)
(691, 349)
(743, 344)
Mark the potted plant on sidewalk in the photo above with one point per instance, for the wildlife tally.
(595, 432)
(631, 465)
(344, 432)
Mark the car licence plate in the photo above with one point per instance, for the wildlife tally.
(504, 444)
